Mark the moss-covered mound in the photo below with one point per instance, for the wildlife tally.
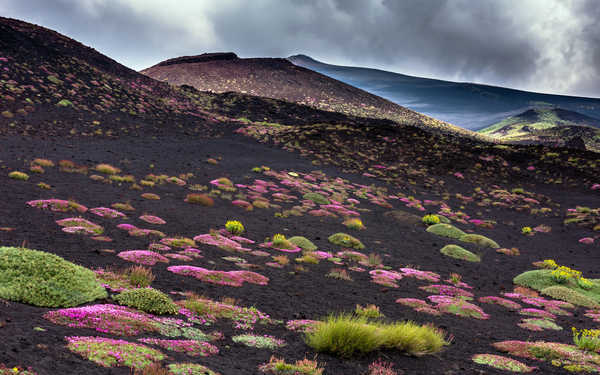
(43, 279)
(148, 300)
(303, 243)
(458, 252)
(446, 230)
(346, 240)
(479, 240)
(569, 290)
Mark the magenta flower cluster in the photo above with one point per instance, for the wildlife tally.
(145, 257)
(229, 278)
(189, 347)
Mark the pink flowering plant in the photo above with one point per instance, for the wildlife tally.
(151, 219)
(228, 278)
(59, 205)
(303, 325)
(80, 226)
(145, 257)
(106, 212)
(193, 348)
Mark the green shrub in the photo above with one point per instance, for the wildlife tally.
(544, 282)
(446, 230)
(569, 295)
(316, 197)
(458, 252)
(479, 240)
(431, 219)
(16, 175)
(139, 276)
(349, 335)
(234, 227)
(303, 243)
(346, 240)
(202, 199)
(587, 339)
(43, 279)
(147, 299)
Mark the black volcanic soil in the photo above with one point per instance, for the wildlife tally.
(288, 296)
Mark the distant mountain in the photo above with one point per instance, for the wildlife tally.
(469, 105)
(549, 126)
(280, 79)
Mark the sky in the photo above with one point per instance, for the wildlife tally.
(550, 46)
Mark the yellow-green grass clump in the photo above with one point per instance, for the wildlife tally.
(446, 230)
(107, 169)
(280, 242)
(350, 335)
(316, 197)
(43, 279)
(43, 162)
(278, 366)
(346, 240)
(369, 311)
(458, 252)
(567, 289)
(147, 299)
(303, 243)
(234, 227)
(16, 175)
(479, 240)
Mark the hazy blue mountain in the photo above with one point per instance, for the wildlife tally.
(472, 106)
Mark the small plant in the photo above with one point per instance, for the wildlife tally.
(354, 223)
(189, 369)
(16, 175)
(234, 227)
(526, 230)
(381, 367)
(458, 252)
(278, 366)
(369, 311)
(430, 219)
(585, 283)
(562, 274)
(43, 185)
(147, 299)
(502, 363)
(43, 162)
(281, 259)
(346, 240)
(257, 341)
(199, 198)
(339, 273)
(151, 196)
(549, 264)
(108, 352)
(587, 339)
(107, 169)
(139, 276)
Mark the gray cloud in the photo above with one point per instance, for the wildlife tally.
(539, 45)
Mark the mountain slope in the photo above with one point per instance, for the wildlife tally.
(550, 126)
(280, 79)
(464, 104)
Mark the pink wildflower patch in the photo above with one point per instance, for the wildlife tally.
(586, 240)
(500, 301)
(181, 257)
(537, 313)
(304, 325)
(106, 212)
(158, 247)
(145, 257)
(58, 205)
(151, 219)
(447, 290)
(80, 225)
(420, 275)
(229, 278)
(219, 240)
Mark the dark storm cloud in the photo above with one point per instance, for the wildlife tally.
(541, 45)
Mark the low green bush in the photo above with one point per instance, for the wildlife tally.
(43, 279)
(479, 240)
(350, 335)
(303, 243)
(569, 295)
(446, 230)
(346, 240)
(458, 252)
(147, 299)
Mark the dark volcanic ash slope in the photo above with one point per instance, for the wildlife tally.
(280, 79)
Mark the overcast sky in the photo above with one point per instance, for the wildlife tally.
(539, 45)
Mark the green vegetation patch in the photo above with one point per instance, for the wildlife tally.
(458, 252)
(502, 363)
(569, 290)
(446, 230)
(346, 240)
(350, 335)
(43, 279)
(110, 353)
(316, 197)
(479, 240)
(303, 243)
(147, 299)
